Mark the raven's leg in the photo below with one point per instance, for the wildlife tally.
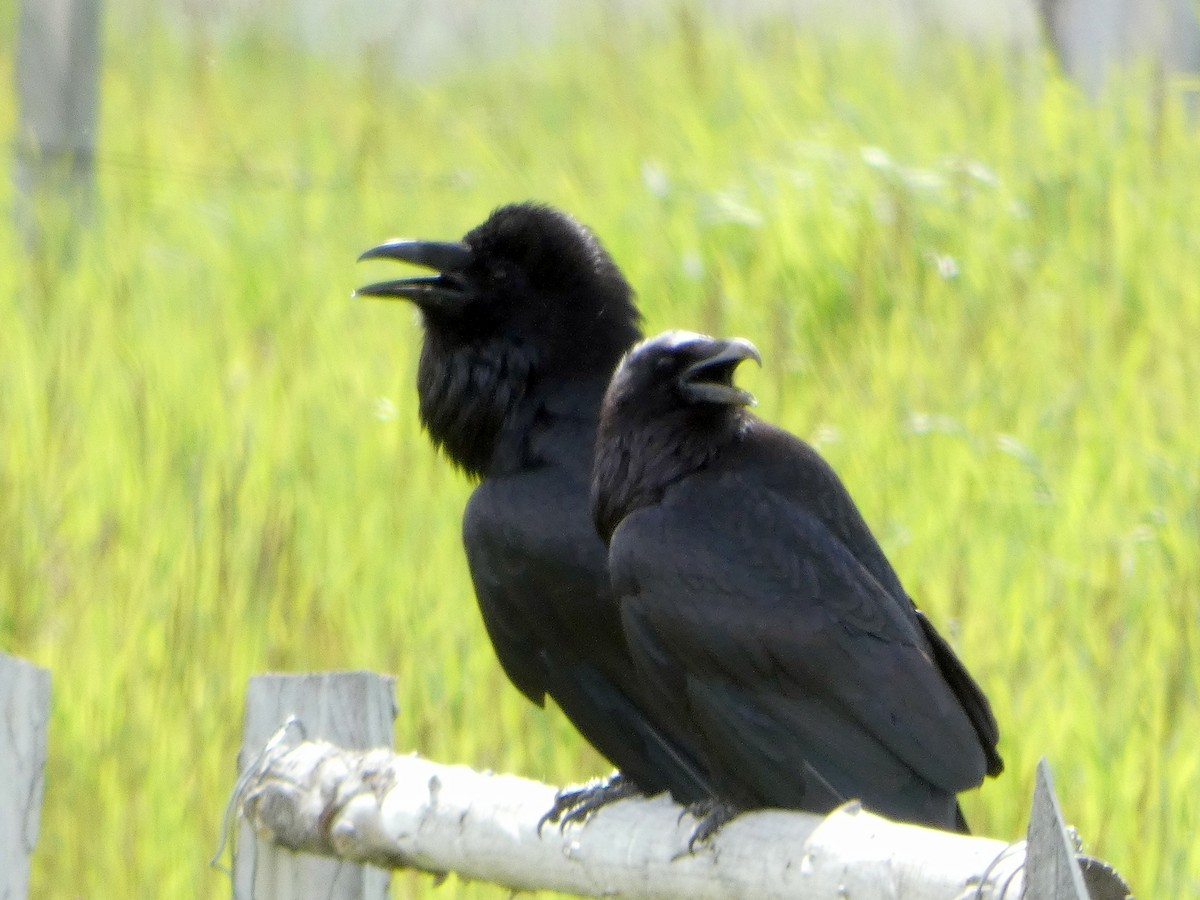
(575, 804)
(712, 814)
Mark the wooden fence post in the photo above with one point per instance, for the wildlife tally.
(24, 719)
(1090, 37)
(355, 709)
(1054, 870)
(1051, 869)
(57, 79)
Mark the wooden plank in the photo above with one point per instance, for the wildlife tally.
(1093, 37)
(1051, 870)
(24, 721)
(58, 79)
(356, 709)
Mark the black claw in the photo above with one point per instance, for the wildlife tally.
(712, 815)
(578, 803)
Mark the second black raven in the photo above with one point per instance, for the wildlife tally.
(762, 615)
(525, 320)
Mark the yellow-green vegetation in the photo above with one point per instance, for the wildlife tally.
(976, 293)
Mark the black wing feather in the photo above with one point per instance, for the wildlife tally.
(796, 659)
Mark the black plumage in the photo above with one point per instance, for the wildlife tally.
(524, 323)
(762, 615)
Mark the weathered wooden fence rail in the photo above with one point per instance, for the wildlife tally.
(323, 819)
(402, 811)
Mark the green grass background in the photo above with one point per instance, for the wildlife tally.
(976, 293)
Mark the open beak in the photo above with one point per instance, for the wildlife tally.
(448, 288)
(710, 379)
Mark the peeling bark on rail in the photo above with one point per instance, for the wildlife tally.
(355, 709)
(405, 811)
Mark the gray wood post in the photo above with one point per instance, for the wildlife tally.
(1051, 871)
(1090, 37)
(24, 719)
(353, 709)
(1054, 869)
(57, 75)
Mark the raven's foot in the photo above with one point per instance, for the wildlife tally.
(575, 804)
(711, 816)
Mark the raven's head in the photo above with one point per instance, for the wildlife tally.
(670, 407)
(681, 373)
(525, 302)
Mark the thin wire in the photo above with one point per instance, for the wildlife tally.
(276, 747)
(239, 175)
(987, 873)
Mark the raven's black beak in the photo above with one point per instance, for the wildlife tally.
(447, 289)
(710, 379)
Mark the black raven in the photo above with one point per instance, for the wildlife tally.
(524, 323)
(762, 615)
